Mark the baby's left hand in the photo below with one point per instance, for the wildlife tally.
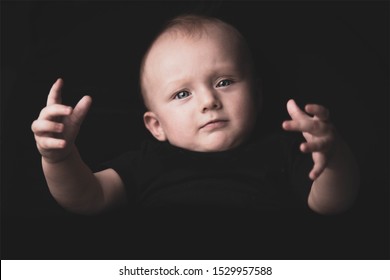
(317, 130)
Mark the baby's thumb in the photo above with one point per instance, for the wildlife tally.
(81, 109)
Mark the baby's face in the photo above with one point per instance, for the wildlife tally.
(199, 93)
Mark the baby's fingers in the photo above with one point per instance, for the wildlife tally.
(53, 111)
(81, 109)
(294, 111)
(319, 165)
(54, 96)
(41, 127)
(321, 144)
(49, 143)
(302, 125)
(309, 125)
(318, 111)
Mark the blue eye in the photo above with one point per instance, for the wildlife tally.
(182, 94)
(224, 83)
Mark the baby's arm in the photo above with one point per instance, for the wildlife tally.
(70, 181)
(335, 173)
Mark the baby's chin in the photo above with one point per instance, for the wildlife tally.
(212, 146)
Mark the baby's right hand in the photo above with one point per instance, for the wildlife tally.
(57, 126)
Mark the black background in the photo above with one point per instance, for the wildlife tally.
(334, 53)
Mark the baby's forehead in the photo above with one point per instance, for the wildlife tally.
(228, 38)
(197, 32)
(171, 47)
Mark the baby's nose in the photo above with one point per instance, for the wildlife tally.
(210, 101)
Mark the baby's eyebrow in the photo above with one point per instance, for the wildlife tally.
(221, 70)
(175, 85)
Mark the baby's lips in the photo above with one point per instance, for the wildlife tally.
(213, 124)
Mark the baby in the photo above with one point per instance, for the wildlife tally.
(202, 99)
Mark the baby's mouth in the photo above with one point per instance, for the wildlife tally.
(214, 124)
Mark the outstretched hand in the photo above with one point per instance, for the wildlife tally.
(316, 129)
(57, 126)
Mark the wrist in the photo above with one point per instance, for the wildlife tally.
(72, 154)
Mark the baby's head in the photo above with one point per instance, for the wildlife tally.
(198, 85)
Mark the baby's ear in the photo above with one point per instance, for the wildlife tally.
(154, 126)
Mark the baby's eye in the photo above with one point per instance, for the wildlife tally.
(224, 83)
(182, 94)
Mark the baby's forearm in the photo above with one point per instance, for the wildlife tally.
(335, 190)
(73, 184)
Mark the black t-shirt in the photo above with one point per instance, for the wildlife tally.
(265, 173)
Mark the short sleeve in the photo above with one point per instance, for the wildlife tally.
(125, 165)
(300, 165)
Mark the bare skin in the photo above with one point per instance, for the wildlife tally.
(70, 181)
(335, 172)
